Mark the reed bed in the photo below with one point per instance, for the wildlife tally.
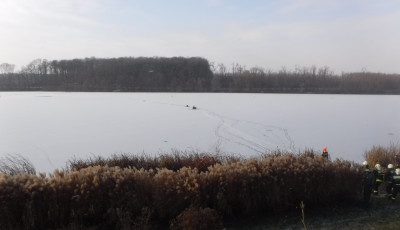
(114, 197)
(173, 160)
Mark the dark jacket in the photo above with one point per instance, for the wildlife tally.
(389, 175)
(396, 180)
(368, 179)
(379, 175)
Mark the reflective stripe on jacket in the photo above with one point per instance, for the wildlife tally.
(396, 180)
(379, 175)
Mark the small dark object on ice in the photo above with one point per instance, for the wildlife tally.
(194, 107)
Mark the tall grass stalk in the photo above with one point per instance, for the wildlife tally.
(16, 164)
(303, 219)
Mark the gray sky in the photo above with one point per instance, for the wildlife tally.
(345, 35)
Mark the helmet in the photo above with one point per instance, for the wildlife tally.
(390, 166)
(397, 171)
(324, 150)
(365, 163)
(378, 166)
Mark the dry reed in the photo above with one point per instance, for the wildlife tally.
(16, 164)
(174, 160)
(382, 155)
(105, 196)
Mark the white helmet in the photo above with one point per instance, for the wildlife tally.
(365, 163)
(378, 166)
(390, 166)
(397, 171)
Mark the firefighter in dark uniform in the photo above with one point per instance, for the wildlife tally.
(368, 183)
(389, 178)
(378, 173)
(396, 184)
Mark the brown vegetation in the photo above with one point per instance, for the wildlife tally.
(103, 197)
(382, 155)
(173, 161)
(197, 219)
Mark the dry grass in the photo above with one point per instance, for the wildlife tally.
(197, 219)
(174, 160)
(136, 195)
(16, 164)
(382, 155)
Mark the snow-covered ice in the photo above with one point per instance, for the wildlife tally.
(50, 128)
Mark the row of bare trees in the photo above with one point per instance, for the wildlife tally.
(180, 74)
(301, 80)
(116, 74)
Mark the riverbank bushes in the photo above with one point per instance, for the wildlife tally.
(382, 155)
(104, 197)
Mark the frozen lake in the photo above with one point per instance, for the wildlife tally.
(50, 128)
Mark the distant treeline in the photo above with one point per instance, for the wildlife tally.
(179, 74)
(116, 74)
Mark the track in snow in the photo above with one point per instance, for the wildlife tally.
(248, 136)
(253, 136)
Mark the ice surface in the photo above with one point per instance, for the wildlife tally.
(50, 128)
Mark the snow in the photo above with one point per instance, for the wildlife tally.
(50, 128)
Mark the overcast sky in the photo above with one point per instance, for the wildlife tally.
(346, 35)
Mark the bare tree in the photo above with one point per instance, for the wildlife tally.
(7, 68)
(257, 71)
(37, 66)
(221, 69)
(324, 71)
